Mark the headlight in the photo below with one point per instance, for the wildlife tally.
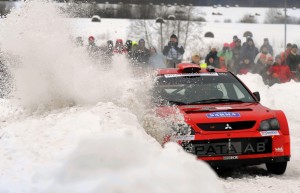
(269, 124)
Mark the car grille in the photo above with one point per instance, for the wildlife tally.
(223, 147)
(226, 126)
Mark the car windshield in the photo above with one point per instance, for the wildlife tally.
(202, 89)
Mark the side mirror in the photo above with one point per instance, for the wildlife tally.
(257, 95)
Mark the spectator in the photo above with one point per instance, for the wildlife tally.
(92, 48)
(212, 58)
(260, 65)
(128, 47)
(236, 52)
(245, 66)
(264, 51)
(279, 71)
(196, 59)
(119, 47)
(249, 50)
(285, 53)
(156, 60)
(79, 41)
(141, 54)
(232, 44)
(267, 45)
(293, 60)
(173, 51)
(226, 53)
(222, 64)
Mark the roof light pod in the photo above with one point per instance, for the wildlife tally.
(189, 68)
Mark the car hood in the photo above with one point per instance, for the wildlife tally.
(232, 112)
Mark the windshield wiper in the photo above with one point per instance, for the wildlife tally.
(207, 101)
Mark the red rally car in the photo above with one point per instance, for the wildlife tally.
(225, 124)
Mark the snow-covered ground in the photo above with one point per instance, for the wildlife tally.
(75, 127)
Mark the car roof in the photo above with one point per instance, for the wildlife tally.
(188, 68)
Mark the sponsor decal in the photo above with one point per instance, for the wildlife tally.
(269, 133)
(222, 114)
(233, 148)
(279, 149)
(190, 74)
(230, 157)
(184, 137)
(223, 108)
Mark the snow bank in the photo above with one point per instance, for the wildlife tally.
(95, 149)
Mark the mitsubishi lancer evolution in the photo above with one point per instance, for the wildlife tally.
(226, 125)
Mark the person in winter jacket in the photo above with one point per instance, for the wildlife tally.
(264, 52)
(249, 50)
(285, 53)
(141, 54)
(293, 59)
(244, 67)
(79, 41)
(278, 72)
(267, 45)
(119, 47)
(234, 40)
(92, 48)
(212, 58)
(261, 64)
(128, 47)
(173, 52)
(226, 53)
(236, 51)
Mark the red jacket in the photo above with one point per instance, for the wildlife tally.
(282, 72)
(282, 54)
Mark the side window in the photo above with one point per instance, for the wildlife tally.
(238, 92)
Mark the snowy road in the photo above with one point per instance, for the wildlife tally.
(73, 127)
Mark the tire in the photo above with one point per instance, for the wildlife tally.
(276, 168)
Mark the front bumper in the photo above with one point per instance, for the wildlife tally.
(246, 162)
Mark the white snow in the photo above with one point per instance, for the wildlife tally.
(75, 127)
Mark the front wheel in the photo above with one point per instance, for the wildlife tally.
(276, 168)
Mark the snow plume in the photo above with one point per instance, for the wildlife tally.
(50, 72)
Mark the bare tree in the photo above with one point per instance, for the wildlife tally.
(274, 16)
(248, 19)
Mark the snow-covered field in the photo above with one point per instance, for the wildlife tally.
(74, 127)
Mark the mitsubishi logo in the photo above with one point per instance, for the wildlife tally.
(228, 127)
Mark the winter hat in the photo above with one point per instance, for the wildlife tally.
(294, 46)
(226, 45)
(173, 36)
(128, 42)
(141, 40)
(91, 38)
(119, 41)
